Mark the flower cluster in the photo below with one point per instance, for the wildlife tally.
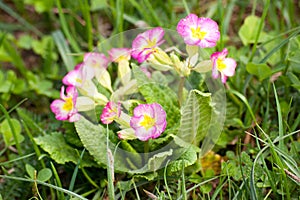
(149, 120)
(204, 32)
(80, 78)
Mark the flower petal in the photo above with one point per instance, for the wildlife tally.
(119, 54)
(74, 117)
(57, 108)
(145, 43)
(143, 109)
(203, 32)
(127, 134)
(144, 135)
(73, 78)
(160, 114)
(230, 67)
(84, 103)
(135, 121)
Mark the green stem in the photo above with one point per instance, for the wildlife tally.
(146, 150)
(180, 89)
(110, 169)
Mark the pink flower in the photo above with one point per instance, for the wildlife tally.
(64, 108)
(94, 63)
(226, 66)
(110, 112)
(119, 54)
(149, 121)
(145, 43)
(203, 32)
(75, 77)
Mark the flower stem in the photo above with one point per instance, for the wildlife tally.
(110, 169)
(180, 89)
(146, 150)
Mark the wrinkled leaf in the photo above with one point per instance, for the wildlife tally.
(59, 150)
(188, 158)
(93, 138)
(196, 117)
(155, 92)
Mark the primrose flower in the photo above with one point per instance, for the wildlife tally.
(119, 54)
(122, 57)
(149, 121)
(146, 43)
(64, 108)
(226, 66)
(75, 77)
(203, 32)
(94, 63)
(111, 111)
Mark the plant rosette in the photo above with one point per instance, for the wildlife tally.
(150, 96)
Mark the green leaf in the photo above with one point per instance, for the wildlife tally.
(262, 71)
(196, 117)
(41, 5)
(249, 30)
(155, 162)
(25, 41)
(294, 79)
(30, 170)
(44, 46)
(59, 150)
(19, 86)
(44, 175)
(5, 86)
(7, 132)
(294, 54)
(93, 138)
(155, 92)
(188, 158)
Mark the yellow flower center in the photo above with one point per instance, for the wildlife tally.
(151, 44)
(148, 122)
(220, 64)
(78, 80)
(197, 33)
(68, 105)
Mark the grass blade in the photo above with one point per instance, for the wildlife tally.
(73, 179)
(281, 44)
(64, 24)
(63, 49)
(280, 124)
(44, 184)
(266, 7)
